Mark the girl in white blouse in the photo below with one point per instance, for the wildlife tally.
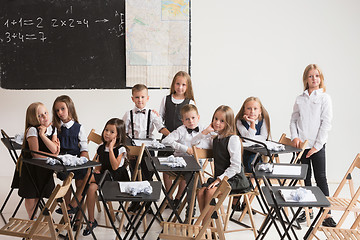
(311, 120)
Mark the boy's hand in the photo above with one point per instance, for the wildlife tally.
(190, 151)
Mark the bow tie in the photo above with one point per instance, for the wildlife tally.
(191, 130)
(141, 111)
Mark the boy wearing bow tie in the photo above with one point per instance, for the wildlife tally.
(140, 122)
(180, 140)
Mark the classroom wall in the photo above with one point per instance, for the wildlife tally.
(241, 49)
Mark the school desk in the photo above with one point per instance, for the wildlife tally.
(192, 167)
(12, 147)
(110, 191)
(62, 168)
(277, 203)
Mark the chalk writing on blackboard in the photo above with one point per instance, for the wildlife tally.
(62, 44)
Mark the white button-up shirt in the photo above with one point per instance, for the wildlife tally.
(140, 123)
(311, 118)
(180, 140)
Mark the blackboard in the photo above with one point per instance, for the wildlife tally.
(62, 44)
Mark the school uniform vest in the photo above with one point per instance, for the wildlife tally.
(119, 174)
(42, 146)
(221, 155)
(69, 139)
(257, 126)
(172, 113)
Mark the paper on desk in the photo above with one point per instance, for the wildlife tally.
(136, 184)
(286, 195)
(287, 170)
(149, 143)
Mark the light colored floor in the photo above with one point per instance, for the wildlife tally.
(104, 233)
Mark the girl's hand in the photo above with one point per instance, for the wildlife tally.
(208, 130)
(296, 142)
(112, 143)
(246, 117)
(214, 183)
(190, 151)
(311, 152)
(42, 130)
(96, 171)
(154, 111)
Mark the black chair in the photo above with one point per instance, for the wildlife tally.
(11, 146)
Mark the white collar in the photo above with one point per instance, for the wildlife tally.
(68, 124)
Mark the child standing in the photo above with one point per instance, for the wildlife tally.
(252, 121)
(40, 136)
(113, 157)
(73, 141)
(180, 140)
(227, 150)
(140, 122)
(311, 120)
(181, 93)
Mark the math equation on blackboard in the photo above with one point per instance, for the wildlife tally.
(40, 28)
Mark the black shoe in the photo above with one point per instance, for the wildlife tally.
(88, 231)
(236, 207)
(134, 207)
(72, 210)
(176, 202)
(302, 217)
(243, 207)
(76, 225)
(329, 222)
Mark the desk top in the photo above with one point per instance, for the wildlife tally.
(321, 200)
(59, 168)
(111, 192)
(262, 150)
(7, 143)
(191, 165)
(304, 168)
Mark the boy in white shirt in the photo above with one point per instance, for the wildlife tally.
(180, 140)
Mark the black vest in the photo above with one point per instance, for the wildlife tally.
(172, 113)
(221, 155)
(69, 140)
(42, 146)
(119, 174)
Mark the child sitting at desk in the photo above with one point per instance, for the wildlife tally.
(112, 156)
(227, 150)
(40, 136)
(180, 140)
(252, 121)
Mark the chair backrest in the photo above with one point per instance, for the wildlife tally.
(348, 178)
(207, 154)
(287, 141)
(137, 152)
(58, 193)
(9, 144)
(96, 138)
(216, 202)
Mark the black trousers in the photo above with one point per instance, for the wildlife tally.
(317, 164)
